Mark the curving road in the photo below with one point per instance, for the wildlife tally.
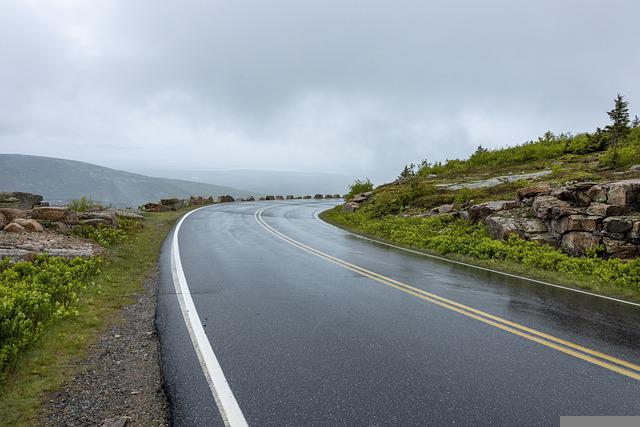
(269, 316)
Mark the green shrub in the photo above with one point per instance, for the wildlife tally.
(359, 186)
(34, 294)
(107, 235)
(83, 204)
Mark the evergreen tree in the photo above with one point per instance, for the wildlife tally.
(481, 150)
(635, 123)
(620, 119)
(408, 171)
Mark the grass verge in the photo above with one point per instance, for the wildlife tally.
(54, 358)
(463, 241)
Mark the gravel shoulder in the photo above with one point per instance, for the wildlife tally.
(120, 381)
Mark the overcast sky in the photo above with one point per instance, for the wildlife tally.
(331, 85)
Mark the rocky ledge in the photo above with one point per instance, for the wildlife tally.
(577, 217)
(27, 228)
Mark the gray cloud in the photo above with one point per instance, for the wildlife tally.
(355, 86)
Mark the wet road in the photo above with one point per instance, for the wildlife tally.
(269, 316)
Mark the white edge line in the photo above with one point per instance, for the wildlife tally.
(540, 282)
(220, 389)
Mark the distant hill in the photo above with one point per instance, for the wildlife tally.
(62, 180)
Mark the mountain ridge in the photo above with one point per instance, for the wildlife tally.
(61, 180)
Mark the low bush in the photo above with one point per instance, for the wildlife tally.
(107, 235)
(359, 186)
(35, 294)
(84, 204)
(445, 234)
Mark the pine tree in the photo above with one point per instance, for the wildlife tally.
(408, 171)
(620, 119)
(481, 150)
(635, 123)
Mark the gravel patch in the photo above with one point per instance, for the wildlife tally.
(120, 382)
(23, 245)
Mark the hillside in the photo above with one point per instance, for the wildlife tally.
(562, 208)
(61, 180)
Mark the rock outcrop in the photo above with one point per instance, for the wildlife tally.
(11, 214)
(354, 204)
(55, 214)
(19, 200)
(578, 217)
(29, 224)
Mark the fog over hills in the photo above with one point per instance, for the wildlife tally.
(60, 179)
(263, 181)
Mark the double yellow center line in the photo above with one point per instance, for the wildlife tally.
(597, 358)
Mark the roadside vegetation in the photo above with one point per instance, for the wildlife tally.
(606, 154)
(359, 186)
(51, 309)
(85, 204)
(106, 235)
(463, 240)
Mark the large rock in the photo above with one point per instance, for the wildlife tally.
(501, 227)
(279, 198)
(196, 201)
(306, 196)
(12, 213)
(318, 196)
(13, 228)
(289, 197)
(442, 209)
(620, 249)
(19, 200)
(29, 224)
(362, 197)
(578, 242)
(545, 238)
(170, 202)
(575, 223)
(55, 214)
(533, 190)
(226, 199)
(3, 221)
(481, 211)
(93, 218)
(550, 207)
(625, 193)
(597, 194)
(604, 209)
(270, 197)
(153, 207)
(351, 207)
(635, 230)
(617, 224)
(251, 199)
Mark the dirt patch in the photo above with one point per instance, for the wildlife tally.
(23, 245)
(120, 380)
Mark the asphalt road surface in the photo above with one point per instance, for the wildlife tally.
(269, 316)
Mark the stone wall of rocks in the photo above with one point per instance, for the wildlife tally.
(576, 217)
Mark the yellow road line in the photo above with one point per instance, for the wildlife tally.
(564, 346)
